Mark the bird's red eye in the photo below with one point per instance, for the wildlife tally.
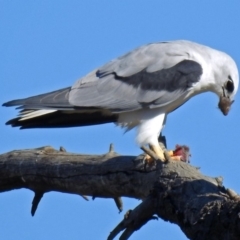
(229, 85)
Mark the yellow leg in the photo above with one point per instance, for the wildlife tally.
(158, 150)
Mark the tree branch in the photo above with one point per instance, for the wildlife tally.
(176, 191)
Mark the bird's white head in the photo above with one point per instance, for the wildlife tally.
(226, 80)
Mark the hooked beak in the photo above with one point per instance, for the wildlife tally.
(224, 103)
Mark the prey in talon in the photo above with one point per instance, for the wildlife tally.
(180, 153)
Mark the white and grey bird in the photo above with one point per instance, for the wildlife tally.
(137, 89)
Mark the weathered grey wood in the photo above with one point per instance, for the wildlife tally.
(176, 191)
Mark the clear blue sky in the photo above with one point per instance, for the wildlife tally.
(46, 45)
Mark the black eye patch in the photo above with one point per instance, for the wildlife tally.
(229, 85)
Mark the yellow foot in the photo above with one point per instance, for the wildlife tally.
(180, 153)
(158, 151)
(149, 160)
(153, 154)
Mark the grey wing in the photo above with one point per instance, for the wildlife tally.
(150, 76)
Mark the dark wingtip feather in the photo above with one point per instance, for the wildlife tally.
(5, 104)
(13, 122)
(58, 98)
(60, 119)
(12, 103)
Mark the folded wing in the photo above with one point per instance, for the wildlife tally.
(151, 76)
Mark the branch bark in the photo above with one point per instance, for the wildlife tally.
(176, 192)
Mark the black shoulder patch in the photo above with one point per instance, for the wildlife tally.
(181, 76)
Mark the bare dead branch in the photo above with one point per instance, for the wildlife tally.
(119, 203)
(135, 219)
(176, 192)
(36, 200)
